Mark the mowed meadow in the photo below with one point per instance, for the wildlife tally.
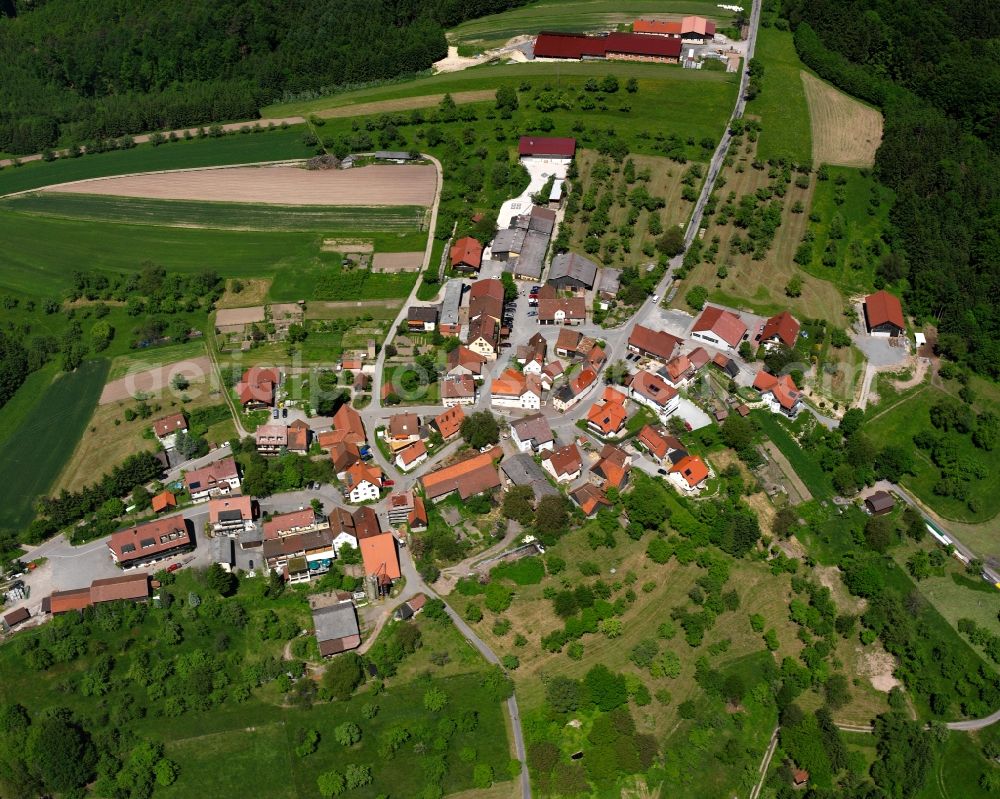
(36, 449)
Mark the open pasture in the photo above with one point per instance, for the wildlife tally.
(378, 184)
(218, 215)
(845, 131)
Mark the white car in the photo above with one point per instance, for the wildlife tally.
(656, 298)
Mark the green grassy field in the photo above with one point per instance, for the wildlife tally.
(898, 424)
(781, 104)
(257, 744)
(688, 102)
(37, 449)
(323, 278)
(275, 145)
(573, 15)
(29, 268)
(854, 270)
(220, 215)
(139, 361)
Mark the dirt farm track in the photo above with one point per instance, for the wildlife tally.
(404, 184)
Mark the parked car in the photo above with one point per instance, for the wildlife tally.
(173, 567)
(388, 482)
(661, 471)
(274, 414)
(284, 413)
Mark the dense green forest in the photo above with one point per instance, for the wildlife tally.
(934, 68)
(79, 72)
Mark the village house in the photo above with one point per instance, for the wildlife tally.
(460, 390)
(783, 328)
(780, 393)
(572, 311)
(720, 328)
(271, 438)
(609, 284)
(532, 433)
(336, 628)
(257, 388)
(660, 444)
(652, 391)
(462, 361)
(294, 523)
(380, 557)
(411, 607)
(689, 474)
(533, 352)
(230, 515)
(651, 343)
(343, 455)
(884, 314)
(612, 468)
(150, 542)
(401, 505)
(299, 437)
(567, 343)
(167, 428)
(575, 390)
(512, 389)
(347, 426)
(411, 456)
(449, 423)
(218, 478)
(564, 464)
(571, 271)
(608, 418)
(348, 528)
(163, 502)
(551, 372)
(363, 483)
(403, 429)
(422, 318)
(677, 371)
(484, 337)
(726, 364)
(467, 478)
(590, 498)
(299, 557)
(466, 255)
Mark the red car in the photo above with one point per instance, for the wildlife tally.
(388, 482)
(173, 567)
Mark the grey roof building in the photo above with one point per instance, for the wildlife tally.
(392, 155)
(452, 302)
(507, 243)
(570, 270)
(610, 281)
(522, 470)
(336, 628)
(528, 265)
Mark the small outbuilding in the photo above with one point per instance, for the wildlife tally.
(880, 502)
(336, 628)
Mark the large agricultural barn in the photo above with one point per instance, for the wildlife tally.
(611, 46)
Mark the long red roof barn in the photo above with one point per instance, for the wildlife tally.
(546, 147)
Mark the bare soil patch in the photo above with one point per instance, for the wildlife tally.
(844, 131)
(155, 380)
(397, 261)
(254, 292)
(379, 184)
(406, 103)
(347, 245)
(878, 666)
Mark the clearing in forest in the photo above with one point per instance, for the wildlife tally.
(845, 131)
(287, 185)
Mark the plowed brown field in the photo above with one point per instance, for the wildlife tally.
(378, 184)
